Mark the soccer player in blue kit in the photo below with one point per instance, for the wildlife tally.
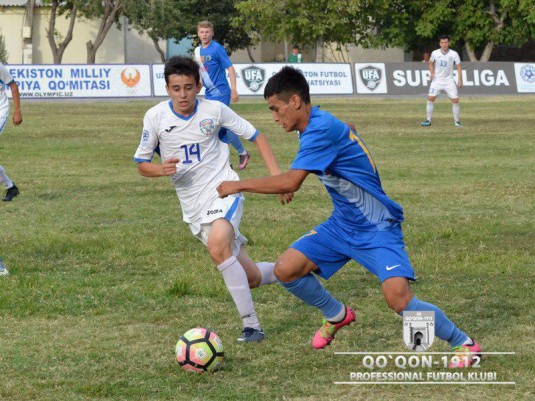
(365, 224)
(213, 61)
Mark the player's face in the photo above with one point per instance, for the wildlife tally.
(183, 91)
(205, 35)
(285, 113)
(444, 45)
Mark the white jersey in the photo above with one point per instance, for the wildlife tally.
(5, 80)
(444, 64)
(204, 157)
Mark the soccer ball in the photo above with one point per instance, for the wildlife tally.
(199, 350)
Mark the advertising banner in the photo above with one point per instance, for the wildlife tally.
(82, 81)
(414, 78)
(324, 79)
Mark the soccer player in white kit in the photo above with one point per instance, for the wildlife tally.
(187, 131)
(7, 80)
(441, 67)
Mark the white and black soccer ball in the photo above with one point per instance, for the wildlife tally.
(200, 350)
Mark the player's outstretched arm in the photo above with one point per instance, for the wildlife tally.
(149, 169)
(265, 150)
(278, 184)
(459, 76)
(17, 114)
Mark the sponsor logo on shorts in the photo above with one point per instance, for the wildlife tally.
(215, 211)
(391, 267)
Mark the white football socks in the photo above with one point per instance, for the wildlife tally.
(238, 286)
(268, 277)
(4, 179)
(429, 109)
(456, 111)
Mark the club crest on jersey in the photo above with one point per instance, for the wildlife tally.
(207, 126)
(253, 77)
(371, 76)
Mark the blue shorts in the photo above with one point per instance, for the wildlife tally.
(382, 253)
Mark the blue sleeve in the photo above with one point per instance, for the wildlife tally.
(223, 57)
(316, 153)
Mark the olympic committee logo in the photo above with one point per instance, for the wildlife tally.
(207, 126)
(130, 76)
(419, 330)
(253, 77)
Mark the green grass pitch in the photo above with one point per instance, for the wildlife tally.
(105, 276)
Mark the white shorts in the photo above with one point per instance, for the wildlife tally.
(3, 122)
(450, 87)
(229, 208)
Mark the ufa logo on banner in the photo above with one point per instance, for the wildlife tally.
(419, 330)
(253, 77)
(371, 78)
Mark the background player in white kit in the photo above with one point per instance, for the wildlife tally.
(7, 80)
(441, 66)
(187, 129)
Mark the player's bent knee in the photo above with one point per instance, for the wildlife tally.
(397, 292)
(455, 100)
(282, 274)
(431, 98)
(398, 305)
(219, 253)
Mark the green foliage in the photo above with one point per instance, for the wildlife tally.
(3, 50)
(105, 275)
(164, 19)
(300, 21)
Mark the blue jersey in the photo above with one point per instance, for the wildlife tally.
(343, 163)
(214, 62)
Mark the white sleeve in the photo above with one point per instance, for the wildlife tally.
(238, 125)
(149, 141)
(5, 76)
(432, 58)
(457, 59)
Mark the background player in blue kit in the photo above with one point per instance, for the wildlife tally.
(214, 62)
(365, 224)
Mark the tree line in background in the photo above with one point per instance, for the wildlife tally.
(476, 25)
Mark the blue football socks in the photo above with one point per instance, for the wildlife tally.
(234, 140)
(445, 329)
(310, 291)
